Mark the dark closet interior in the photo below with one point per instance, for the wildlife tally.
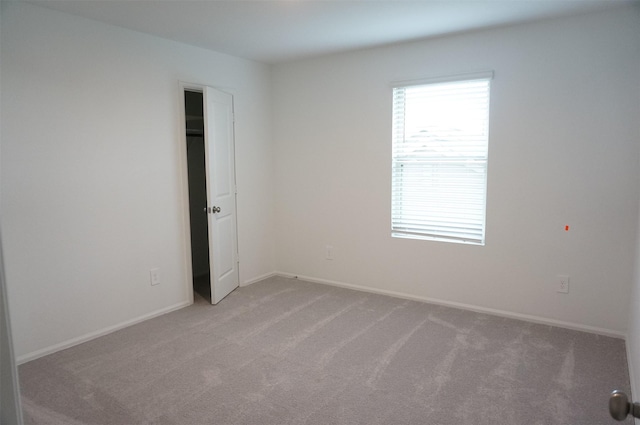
(197, 193)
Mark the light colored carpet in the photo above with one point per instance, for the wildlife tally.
(284, 351)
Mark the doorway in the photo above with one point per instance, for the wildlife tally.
(211, 188)
(196, 175)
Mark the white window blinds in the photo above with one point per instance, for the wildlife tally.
(439, 171)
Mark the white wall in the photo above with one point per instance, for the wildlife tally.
(633, 333)
(563, 151)
(10, 406)
(91, 178)
(10, 410)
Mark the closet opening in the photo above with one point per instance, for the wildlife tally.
(197, 181)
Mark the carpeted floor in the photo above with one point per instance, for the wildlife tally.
(284, 351)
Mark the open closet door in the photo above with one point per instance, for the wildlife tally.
(221, 192)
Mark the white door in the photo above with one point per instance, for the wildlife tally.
(221, 192)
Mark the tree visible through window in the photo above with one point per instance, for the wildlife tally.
(439, 170)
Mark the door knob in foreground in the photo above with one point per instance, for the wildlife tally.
(619, 406)
(215, 209)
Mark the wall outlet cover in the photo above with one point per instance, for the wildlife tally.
(154, 275)
(563, 284)
(329, 252)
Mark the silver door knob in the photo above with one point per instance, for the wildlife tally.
(619, 406)
(215, 209)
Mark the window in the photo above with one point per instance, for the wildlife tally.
(439, 170)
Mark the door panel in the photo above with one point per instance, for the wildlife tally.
(221, 192)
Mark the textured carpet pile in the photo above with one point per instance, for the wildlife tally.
(285, 351)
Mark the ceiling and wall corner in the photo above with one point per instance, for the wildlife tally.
(276, 31)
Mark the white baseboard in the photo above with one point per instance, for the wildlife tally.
(258, 279)
(93, 335)
(502, 313)
(494, 312)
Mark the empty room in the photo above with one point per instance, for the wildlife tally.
(320, 212)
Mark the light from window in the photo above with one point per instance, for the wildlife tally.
(439, 170)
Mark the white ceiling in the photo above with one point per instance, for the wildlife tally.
(273, 31)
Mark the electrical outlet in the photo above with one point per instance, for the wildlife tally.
(154, 275)
(328, 252)
(563, 283)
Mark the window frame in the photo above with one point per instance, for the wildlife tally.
(397, 189)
